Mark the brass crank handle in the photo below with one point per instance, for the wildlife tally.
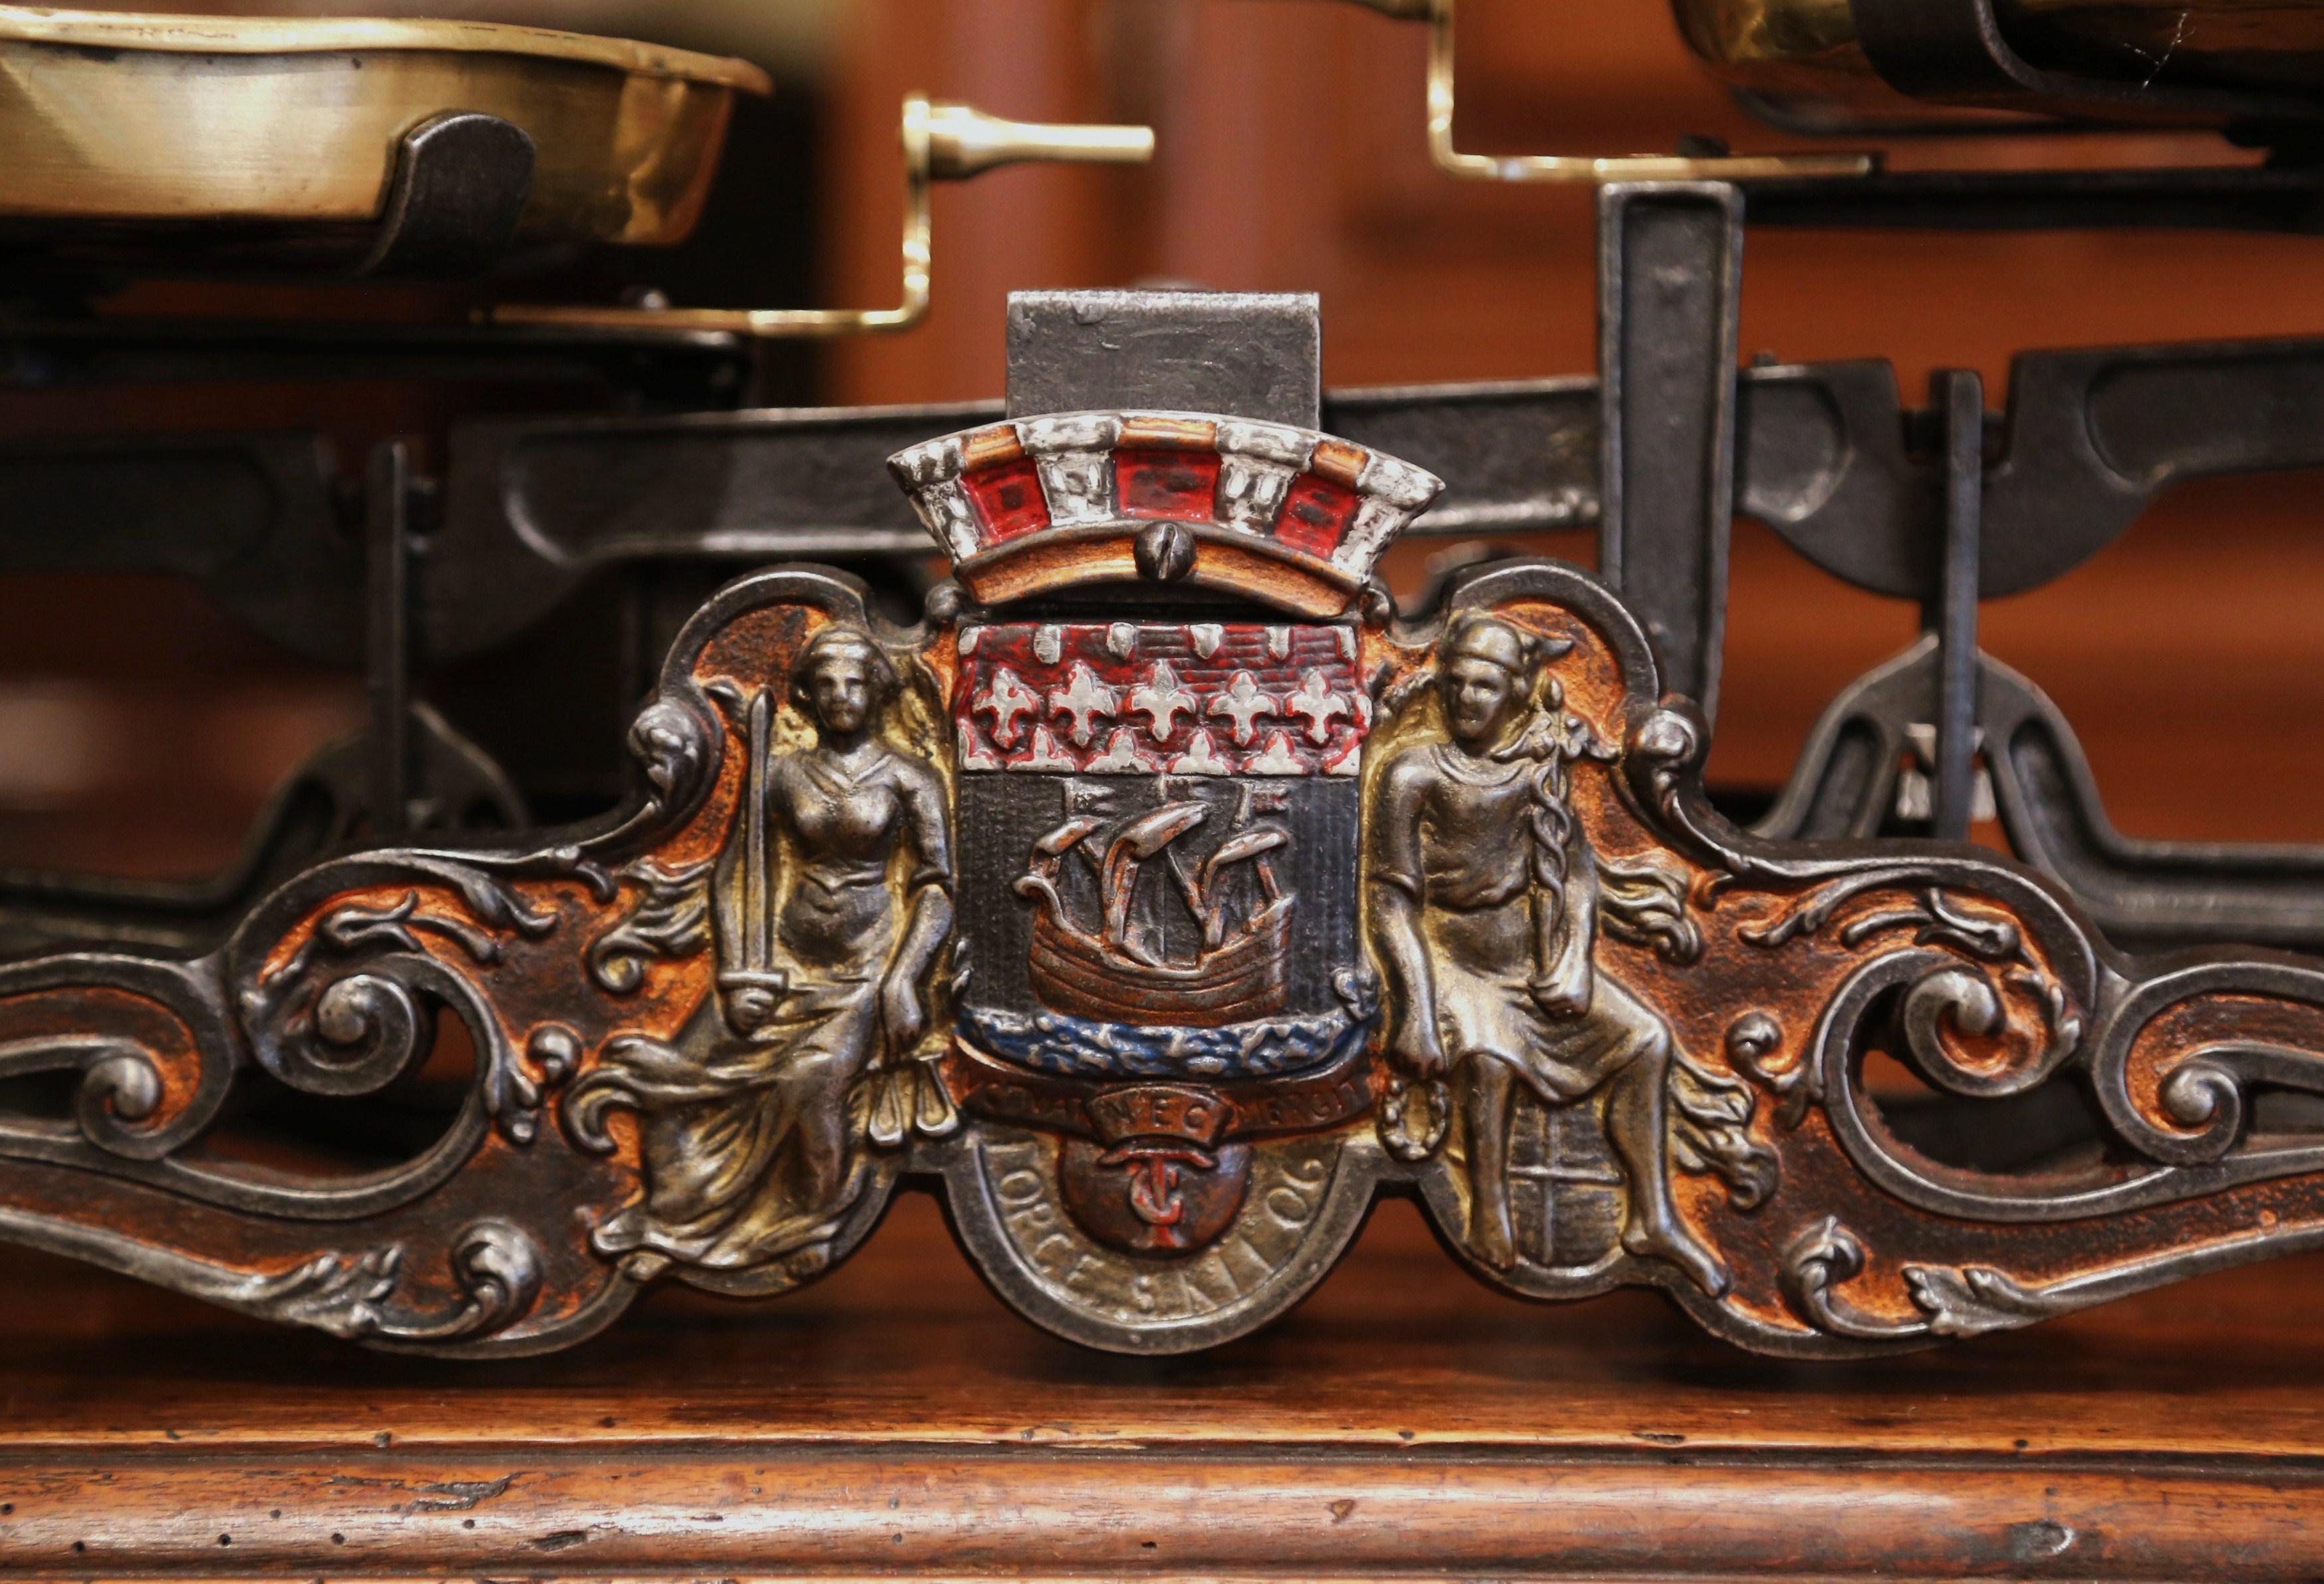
(943, 141)
(1453, 161)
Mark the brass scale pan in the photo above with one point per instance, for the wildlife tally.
(139, 129)
(127, 131)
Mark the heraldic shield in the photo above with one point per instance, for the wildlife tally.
(1163, 1012)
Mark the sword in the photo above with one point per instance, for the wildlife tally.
(758, 970)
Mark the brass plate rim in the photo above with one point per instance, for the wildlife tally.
(270, 35)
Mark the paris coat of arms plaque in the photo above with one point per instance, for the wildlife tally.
(1161, 900)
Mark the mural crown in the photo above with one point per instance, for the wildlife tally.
(1284, 513)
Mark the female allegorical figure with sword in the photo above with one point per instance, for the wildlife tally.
(747, 1141)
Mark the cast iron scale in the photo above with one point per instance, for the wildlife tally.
(1163, 894)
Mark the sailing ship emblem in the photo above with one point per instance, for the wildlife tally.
(1118, 968)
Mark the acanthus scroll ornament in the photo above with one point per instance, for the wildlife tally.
(1161, 934)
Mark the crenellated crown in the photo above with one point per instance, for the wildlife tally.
(1286, 515)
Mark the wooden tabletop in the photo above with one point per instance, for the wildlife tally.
(1406, 1421)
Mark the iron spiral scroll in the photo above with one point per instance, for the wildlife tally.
(1160, 944)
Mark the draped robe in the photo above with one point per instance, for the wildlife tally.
(720, 1108)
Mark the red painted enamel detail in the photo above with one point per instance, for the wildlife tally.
(1178, 485)
(1316, 513)
(1230, 699)
(1009, 500)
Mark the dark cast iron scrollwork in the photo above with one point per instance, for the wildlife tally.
(1161, 938)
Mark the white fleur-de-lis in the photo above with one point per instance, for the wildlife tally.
(1201, 758)
(1122, 639)
(1048, 642)
(1243, 704)
(1043, 753)
(1005, 698)
(1207, 636)
(1081, 702)
(1319, 705)
(1278, 643)
(1278, 760)
(1123, 756)
(1162, 700)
